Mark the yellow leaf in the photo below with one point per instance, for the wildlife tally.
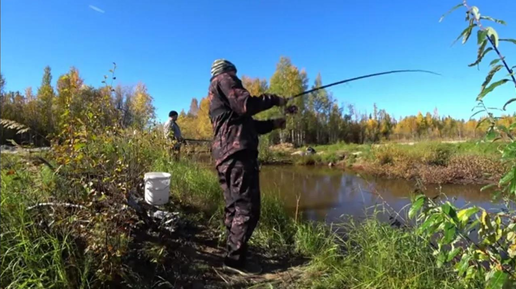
(512, 251)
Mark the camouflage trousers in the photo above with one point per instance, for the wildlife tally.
(239, 178)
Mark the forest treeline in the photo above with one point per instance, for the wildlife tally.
(320, 120)
(46, 110)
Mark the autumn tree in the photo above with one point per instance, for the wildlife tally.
(204, 128)
(255, 86)
(288, 80)
(2, 84)
(194, 107)
(46, 99)
(142, 110)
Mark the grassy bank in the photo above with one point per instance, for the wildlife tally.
(430, 162)
(106, 244)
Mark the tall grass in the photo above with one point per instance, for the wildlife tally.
(376, 255)
(362, 255)
(368, 254)
(192, 184)
(32, 256)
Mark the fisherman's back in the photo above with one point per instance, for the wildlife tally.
(233, 132)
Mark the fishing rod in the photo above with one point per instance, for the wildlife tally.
(360, 77)
(196, 140)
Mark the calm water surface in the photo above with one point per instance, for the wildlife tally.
(326, 194)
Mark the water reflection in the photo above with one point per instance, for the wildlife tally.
(327, 194)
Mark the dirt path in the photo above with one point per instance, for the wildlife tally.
(192, 258)
(206, 253)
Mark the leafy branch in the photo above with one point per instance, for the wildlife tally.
(456, 226)
(485, 35)
(493, 255)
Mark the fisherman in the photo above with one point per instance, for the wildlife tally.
(235, 151)
(173, 134)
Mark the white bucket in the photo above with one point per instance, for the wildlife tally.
(157, 188)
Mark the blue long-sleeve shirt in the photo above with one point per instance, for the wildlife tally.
(172, 127)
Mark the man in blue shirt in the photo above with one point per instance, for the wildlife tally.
(173, 133)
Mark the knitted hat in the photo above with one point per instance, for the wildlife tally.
(221, 65)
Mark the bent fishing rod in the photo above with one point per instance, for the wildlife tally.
(359, 77)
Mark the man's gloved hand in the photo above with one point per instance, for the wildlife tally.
(280, 123)
(291, 109)
(282, 101)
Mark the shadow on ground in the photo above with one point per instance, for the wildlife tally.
(191, 257)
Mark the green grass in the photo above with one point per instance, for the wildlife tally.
(193, 184)
(369, 255)
(373, 255)
(32, 256)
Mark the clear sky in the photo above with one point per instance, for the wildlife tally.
(170, 44)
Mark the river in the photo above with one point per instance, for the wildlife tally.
(326, 194)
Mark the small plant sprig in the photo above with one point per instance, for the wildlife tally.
(486, 35)
(492, 253)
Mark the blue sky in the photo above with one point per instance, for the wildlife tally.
(170, 45)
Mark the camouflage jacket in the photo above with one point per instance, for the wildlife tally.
(231, 111)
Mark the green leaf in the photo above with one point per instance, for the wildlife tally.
(473, 225)
(490, 75)
(463, 265)
(432, 220)
(493, 35)
(450, 11)
(450, 211)
(508, 102)
(416, 206)
(491, 135)
(494, 62)
(481, 36)
(512, 251)
(481, 122)
(465, 33)
(463, 215)
(453, 254)
(441, 258)
(496, 280)
(487, 187)
(493, 19)
(491, 88)
(449, 233)
(509, 40)
(78, 146)
(508, 177)
(476, 13)
(482, 52)
(480, 111)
